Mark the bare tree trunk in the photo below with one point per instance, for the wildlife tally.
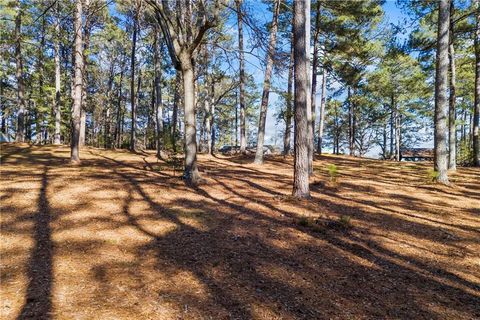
(243, 137)
(86, 38)
(4, 111)
(191, 174)
(40, 68)
(78, 84)
(57, 111)
(351, 138)
(452, 128)
(301, 187)
(315, 61)
(384, 145)
(476, 111)
(289, 109)
(210, 119)
(132, 81)
(266, 84)
(323, 101)
(158, 97)
(441, 83)
(20, 135)
(108, 105)
(83, 122)
(117, 133)
(176, 102)
(309, 89)
(392, 119)
(397, 136)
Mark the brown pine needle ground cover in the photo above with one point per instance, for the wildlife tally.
(122, 237)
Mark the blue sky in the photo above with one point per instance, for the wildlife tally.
(393, 14)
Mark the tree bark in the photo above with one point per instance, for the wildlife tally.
(323, 101)
(441, 83)
(289, 109)
(312, 82)
(397, 135)
(243, 137)
(20, 134)
(452, 128)
(266, 84)
(392, 126)
(476, 111)
(158, 98)
(56, 108)
(309, 89)
(301, 187)
(351, 138)
(176, 102)
(191, 174)
(78, 84)
(132, 81)
(86, 47)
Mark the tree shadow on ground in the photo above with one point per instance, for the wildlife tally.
(245, 256)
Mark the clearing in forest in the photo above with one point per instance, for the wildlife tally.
(122, 237)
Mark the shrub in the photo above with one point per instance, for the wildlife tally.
(465, 156)
(345, 221)
(432, 175)
(332, 172)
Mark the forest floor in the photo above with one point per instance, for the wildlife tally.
(122, 237)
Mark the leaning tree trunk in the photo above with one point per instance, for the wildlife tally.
(78, 83)
(441, 83)
(243, 137)
(476, 112)
(323, 100)
(57, 111)
(266, 84)
(20, 135)
(301, 175)
(452, 129)
(289, 109)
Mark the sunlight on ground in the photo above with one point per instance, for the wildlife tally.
(117, 238)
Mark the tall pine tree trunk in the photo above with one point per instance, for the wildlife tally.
(441, 84)
(289, 109)
(323, 101)
(351, 137)
(133, 99)
(86, 47)
(452, 128)
(20, 134)
(78, 84)
(176, 103)
(243, 137)
(315, 61)
(191, 174)
(57, 111)
(397, 135)
(158, 98)
(476, 111)
(301, 187)
(266, 84)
